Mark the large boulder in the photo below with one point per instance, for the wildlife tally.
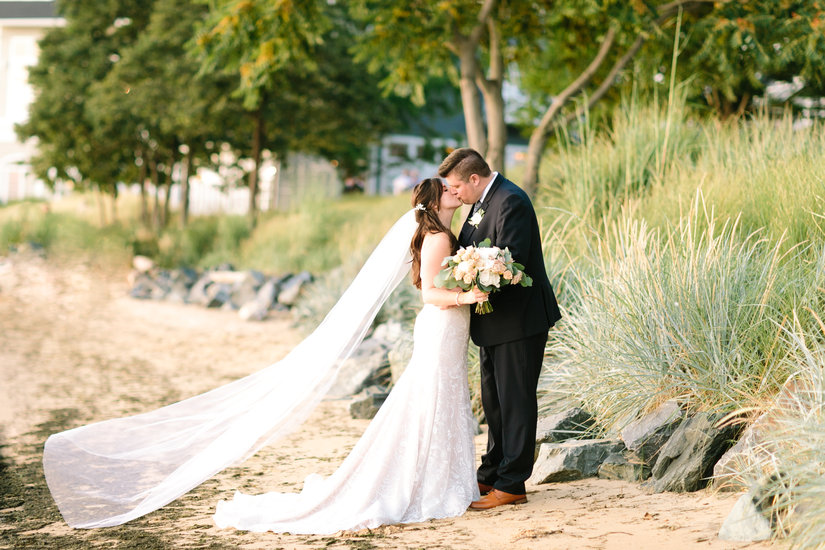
(197, 293)
(245, 289)
(257, 309)
(568, 424)
(747, 451)
(291, 288)
(367, 402)
(572, 459)
(685, 462)
(218, 295)
(646, 435)
(142, 264)
(623, 466)
(144, 287)
(366, 367)
(746, 522)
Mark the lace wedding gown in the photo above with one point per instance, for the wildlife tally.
(415, 461)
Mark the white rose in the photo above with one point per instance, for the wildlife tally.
(476, 219)
(488, 278)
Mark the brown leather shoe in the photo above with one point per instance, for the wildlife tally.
(483, 488)
(497, 498)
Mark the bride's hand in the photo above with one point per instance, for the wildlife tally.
(476, 296)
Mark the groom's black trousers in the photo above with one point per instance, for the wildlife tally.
(509, 377)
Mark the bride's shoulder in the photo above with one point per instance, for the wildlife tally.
(436, 242)
(437, 237)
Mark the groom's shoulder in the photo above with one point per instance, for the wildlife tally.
(511, 190)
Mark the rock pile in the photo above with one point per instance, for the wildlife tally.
(251, 293)
(666, 450)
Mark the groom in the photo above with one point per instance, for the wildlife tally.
(511, 338)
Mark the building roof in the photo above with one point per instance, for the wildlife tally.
(28, 10)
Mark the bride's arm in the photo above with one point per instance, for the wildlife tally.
(434, 249)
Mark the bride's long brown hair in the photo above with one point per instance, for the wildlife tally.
(428, 194)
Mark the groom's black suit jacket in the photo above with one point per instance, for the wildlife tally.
(518, 312)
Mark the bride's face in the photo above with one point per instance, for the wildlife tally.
(448, 200)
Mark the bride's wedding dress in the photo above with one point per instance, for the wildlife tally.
(414, 462)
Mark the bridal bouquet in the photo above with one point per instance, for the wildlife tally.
(487, 267)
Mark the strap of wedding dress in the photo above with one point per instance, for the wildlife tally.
(110, 472)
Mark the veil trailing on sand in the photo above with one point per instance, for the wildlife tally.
(111, 472)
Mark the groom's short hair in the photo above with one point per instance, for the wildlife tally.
(463, 163)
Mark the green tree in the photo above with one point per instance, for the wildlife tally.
(731, 53)
(260, 42)
(72, 58)
(298, 80)
(156, 97)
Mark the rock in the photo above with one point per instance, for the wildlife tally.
(388, 332)
(572, 459)
(624, 466)
(253, 311)
(645, 436)
(197, 293)
(568, 424)
(367, 366)
(291, 288)
(178, 292)
(142, 264)
(143, 286)
(400, 354)
(245, 289)
(258, 308)
(227, 277)
(745, 522)
(367, 402)
(685, 461)
(218, 295)
(746, 451)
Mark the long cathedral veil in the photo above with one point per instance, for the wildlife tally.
(110, 472)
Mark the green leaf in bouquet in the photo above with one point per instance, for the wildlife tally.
(486, 243)
(442, 278)
(526, 280)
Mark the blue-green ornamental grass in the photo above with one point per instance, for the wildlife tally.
(692, 312)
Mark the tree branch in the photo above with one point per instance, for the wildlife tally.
(483, 15)
(576, 86)
(608, 80)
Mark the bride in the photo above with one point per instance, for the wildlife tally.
(414, 462)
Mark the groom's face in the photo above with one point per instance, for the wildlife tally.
(467, 191)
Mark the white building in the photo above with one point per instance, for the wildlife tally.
(22, 24)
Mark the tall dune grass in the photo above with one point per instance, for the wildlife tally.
(788, 473)
(761, 170)
(690, 311)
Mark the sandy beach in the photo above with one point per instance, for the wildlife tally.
(74, 349)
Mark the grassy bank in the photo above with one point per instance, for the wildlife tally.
(690, 259)
(317, 237)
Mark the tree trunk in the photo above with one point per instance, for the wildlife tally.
(115, 195)
(494, 103)
(470, 100)
(170, 181)
(184, 189)
(153, 169)
(101, 205)
(144, 201)
(257, 146)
